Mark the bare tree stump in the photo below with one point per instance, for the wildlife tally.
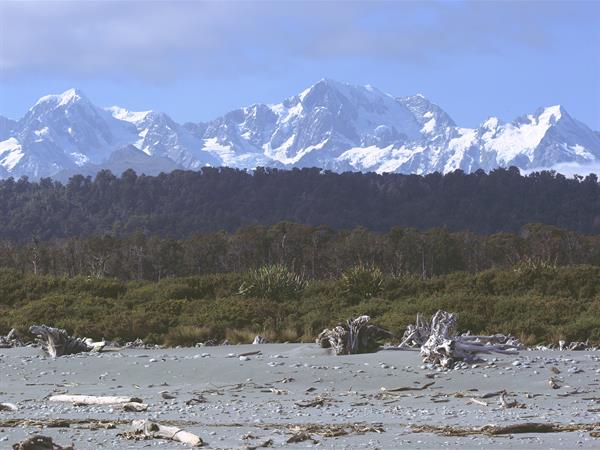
(354, 336)
(442, 347)
(56, 342)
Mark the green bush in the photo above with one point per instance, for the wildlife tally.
(362, 281)
(273, 282)
(535, 306)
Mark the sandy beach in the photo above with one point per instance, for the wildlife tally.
(376, 400)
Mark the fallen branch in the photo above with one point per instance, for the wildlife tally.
(144, 429)
(352, 337)
(505, 403)
(93, 400)
(409, 388)
(317, 401)
(258, 352)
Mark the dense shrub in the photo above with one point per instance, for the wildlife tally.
(183, 311)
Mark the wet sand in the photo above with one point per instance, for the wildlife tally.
(243, 403)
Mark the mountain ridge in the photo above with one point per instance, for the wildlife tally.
(330, 125)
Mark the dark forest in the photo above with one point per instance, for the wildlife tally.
(183, 203)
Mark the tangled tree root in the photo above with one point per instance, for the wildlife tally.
(354, 336)
(57, 342)
(12, 339)
(442, 347)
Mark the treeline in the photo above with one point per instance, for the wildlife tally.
(184, 203)
(536, 303)
(312, 252)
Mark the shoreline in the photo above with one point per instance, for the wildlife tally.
(260, 395)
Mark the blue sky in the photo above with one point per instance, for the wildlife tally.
(196, 60)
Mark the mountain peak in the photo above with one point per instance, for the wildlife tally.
(324, 84)
(555, 111)
(128, 116)
(428, 114)
(69, 96)
(545, 116)
(328, 85)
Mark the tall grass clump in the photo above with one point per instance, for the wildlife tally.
(188, 335)
(274, 282)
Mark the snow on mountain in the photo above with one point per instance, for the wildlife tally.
(158, 135)
(331, 125)
(310, 129)
(66, 132)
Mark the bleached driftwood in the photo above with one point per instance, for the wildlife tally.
(576, 346)
(135, 407)
(417, 334)
(147, 428)
(12, 339)
(8, 407)
(354, 336)
(57, 342)
(93, 399)
(441, 346)
(258, 339)
(39, 443)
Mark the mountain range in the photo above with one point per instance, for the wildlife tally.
(331, 125)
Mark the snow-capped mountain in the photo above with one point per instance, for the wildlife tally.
(330, 125)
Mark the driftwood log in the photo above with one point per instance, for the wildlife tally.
(93, 400)
(575, 346)
(442, 347)
(39, 443)
(354, 336)
(258, 339)
(12, 339)
(141, 429)
(57, 342)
